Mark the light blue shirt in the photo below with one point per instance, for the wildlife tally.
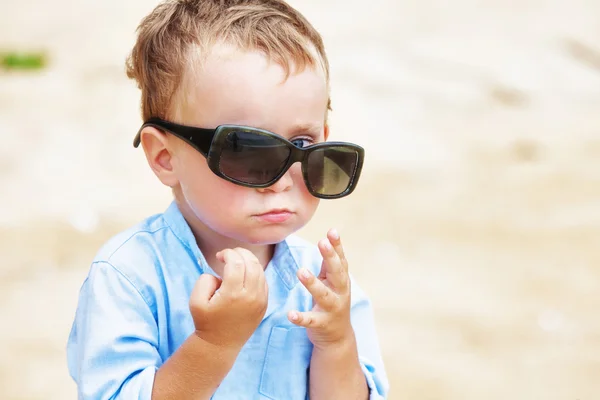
(133, 313)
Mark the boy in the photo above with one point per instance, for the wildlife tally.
(216, 298)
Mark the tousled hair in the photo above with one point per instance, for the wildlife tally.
(177, 32)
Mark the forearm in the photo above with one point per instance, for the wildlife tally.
(335, 373)
(194, 371)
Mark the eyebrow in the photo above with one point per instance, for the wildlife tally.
(308, 129)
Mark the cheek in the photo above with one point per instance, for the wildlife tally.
(221, 208)
(212, 194)
(190, 163)
(201, 187)
(309, 202)
(295, 172)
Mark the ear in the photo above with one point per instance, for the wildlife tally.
(326, 131)
(159, 155)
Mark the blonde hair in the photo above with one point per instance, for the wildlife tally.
(176, 32)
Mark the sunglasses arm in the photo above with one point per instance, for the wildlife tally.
(198, 138)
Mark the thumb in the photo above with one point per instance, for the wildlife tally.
(205, 288)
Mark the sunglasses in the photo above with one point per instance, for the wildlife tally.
(257, 158)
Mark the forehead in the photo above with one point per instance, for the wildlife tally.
(231, 86)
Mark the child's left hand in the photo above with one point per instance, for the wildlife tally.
(329, 321)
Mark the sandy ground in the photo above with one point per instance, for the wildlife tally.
(476, 227)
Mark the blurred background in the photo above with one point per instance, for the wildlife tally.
(475, 229)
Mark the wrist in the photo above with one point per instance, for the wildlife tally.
(346, 342)
(221, 350)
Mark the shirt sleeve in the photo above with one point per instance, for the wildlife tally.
(369, 352)
(112, 350)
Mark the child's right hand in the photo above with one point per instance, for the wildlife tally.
(229, 316)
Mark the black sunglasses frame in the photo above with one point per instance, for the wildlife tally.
(210, 142)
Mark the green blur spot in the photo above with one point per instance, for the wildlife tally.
(23, 61)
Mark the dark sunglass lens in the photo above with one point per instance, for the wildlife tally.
(331, 170)
(252, 157)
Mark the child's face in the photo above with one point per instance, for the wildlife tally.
(242, 88)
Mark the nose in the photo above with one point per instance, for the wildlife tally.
(284, 183)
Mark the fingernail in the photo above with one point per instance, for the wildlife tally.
(327, 245)
(294, 316)
(335, 234)
(305, 274)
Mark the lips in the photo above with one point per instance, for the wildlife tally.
(276, 211)
(276, 215)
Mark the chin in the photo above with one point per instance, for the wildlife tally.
(269, 234)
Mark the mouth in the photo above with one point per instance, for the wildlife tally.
(275, 215)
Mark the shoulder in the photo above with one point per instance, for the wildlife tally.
(135, 254)
(132, 244)
(133, 236)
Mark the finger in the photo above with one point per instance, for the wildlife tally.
(336, 242)
(308, 319)
(204, 289)
(323, 271)
(234, 271)
(336, 275)
(322, 295)
(252, 281)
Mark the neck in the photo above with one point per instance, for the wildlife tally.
(211, 242)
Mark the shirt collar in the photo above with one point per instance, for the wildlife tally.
(183, 232)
